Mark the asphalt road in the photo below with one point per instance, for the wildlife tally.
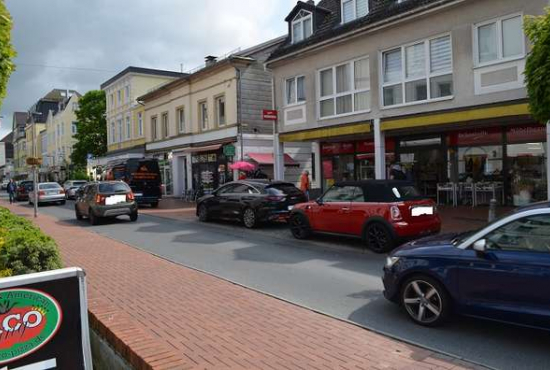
(341, 282)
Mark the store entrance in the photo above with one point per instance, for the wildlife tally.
(424, 162)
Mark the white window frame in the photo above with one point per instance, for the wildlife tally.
(218, 117)
(302, 21)
(74, 129)
(154, 128)
(203, 119)
(296, 103)
(140, 124)
(180, 117)
(405, 80)
(500, 58)
(165, 129)
(335, 95)
(128, 127)
(354, 10)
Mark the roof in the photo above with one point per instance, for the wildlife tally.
(20, 118)
(8, 138)
(59, 95)
(267, 159)
(145, 71)
(330, 26)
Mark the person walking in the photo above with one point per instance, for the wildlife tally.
(11, 190)
(305, 184)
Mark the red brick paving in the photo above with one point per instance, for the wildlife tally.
(160, 315)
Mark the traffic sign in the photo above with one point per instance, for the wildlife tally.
(269, 115)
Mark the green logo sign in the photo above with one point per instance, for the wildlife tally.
(28, 320)
(229, 150)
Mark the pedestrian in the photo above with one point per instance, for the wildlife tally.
(396, 172)
(305, 183)
(242, 175)
(11, 190)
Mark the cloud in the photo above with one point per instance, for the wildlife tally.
(109, 35)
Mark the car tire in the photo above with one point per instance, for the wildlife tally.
(378, 238)
(155, 205)
(94, 220)
(79, 216)
(203, 213)
(425, 300)
(133, 216)
(250, 220)
(299, 226)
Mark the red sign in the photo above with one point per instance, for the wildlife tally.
(367, 146)
(476, 137)
(524, 134)
(337, 148)
(269, 115)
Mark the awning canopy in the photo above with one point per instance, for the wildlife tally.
(199, 149)
(267, 159)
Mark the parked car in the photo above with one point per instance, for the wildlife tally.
(382, 213)
(23, 189)
(72, 186)
(5, 184)
(48, 192)
(500, 272)
(108, 199)
(142, 175)
(250, 201)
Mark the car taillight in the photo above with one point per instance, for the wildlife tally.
(275, 198)
(395, 213)
(100, 199)
(130, 197)
(41, 193)
(61, 191)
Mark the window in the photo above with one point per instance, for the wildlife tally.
(203, 115)
(112, 100)
(220, 111)
(128, 128)
(127, 93)
(341, 194)
(353, 9)
(418, 72)
(73, 128)
(119, 124)
(165, 125)
(140, 124)
(499, 39)
(154, 133)
(119, 92)
(62, 128)
(528, 234)
(345, 89)
(75, 107)
(113, 137)
(180, 114)
(295, 90)
(302, 26)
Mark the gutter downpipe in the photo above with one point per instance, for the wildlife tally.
(240, 111)
(278, 148)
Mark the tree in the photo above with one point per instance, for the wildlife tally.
(537, 68)
(7, 53)
(91, 134)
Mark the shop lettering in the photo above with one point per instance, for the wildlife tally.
(7, 323)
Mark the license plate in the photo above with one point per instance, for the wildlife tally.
(290, 208)
(115, 199)
(52, 192)
(421, 211)
(138, 194)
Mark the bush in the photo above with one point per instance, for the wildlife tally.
(24, 248)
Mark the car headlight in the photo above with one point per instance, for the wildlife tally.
(390, 261)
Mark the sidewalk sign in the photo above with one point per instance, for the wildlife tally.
(44, 321)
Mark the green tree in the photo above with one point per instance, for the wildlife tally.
(7, 53)
(537, 68)
(91, 134)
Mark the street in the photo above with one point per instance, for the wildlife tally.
(340, 282)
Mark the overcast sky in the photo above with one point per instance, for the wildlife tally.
(99, 38)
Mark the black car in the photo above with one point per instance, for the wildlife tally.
(23, 189)
(250, 201)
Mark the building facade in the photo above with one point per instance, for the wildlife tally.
(199, 125)
(6, 157)
(433, 85)
(19, 144)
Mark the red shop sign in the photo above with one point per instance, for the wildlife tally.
(476, 137)
(520, 134)
(337, 148)
(367, 146)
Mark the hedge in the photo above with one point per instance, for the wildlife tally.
(24, 248)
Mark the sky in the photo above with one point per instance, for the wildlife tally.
(78, 44)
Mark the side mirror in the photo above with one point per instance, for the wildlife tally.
(480, 246)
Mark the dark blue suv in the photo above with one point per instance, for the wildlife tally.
(501, 272)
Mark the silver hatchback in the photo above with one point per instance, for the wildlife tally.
(48, 192)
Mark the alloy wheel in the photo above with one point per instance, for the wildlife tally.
(203, 213)
(299, 227)
(378, 238)
(249, 218)
(422, 301)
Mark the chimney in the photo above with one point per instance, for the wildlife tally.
(209, 60)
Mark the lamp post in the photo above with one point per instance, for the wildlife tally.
(35, 162)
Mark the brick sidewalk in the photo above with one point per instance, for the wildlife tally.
(160, 315)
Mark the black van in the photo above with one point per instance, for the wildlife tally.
(143, 176)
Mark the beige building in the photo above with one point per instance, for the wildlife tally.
(436, 86)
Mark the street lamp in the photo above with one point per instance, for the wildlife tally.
(34, 168)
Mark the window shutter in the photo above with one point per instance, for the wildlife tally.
(441, 55)
(362, 8)
(416, 61)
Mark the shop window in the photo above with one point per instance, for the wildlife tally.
(498, 40)
(528, 178)
(480, 163)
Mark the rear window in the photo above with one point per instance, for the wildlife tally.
(48, 186)
(114, 188)
(144, 170)
(282, 189)
(79, 183)
(406, 192)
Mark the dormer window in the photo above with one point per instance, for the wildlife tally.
(353, 9)
(302, 26)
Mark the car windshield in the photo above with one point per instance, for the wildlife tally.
(406, 192)
(111, 187)
(48, 186)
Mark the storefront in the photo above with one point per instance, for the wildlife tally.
(165, 167)
(210, 169)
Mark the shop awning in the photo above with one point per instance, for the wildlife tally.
(200, 149)
(267, 159)
(326, 132)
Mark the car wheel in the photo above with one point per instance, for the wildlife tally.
(249, 218)
(379, 238)
(299, 226)
(133, 216)
(77, 213)
(203, 213)
(62, 202)
(94, 220)
(155, 205)
(425, 300)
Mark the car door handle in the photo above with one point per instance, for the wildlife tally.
(345, 209)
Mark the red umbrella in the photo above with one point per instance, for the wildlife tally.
(242, 166)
